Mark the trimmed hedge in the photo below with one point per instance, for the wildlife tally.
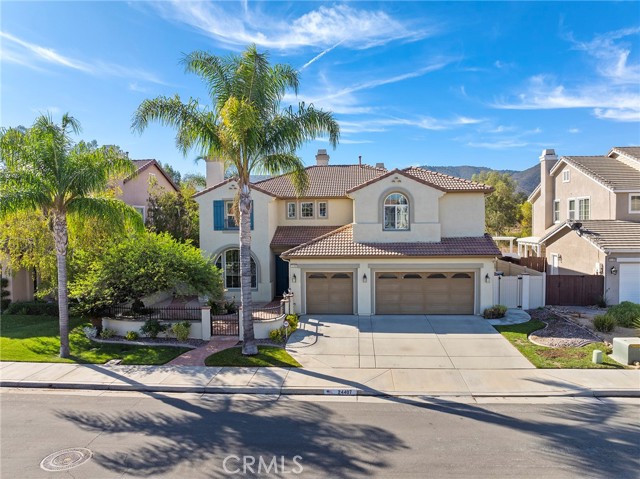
(33, 308)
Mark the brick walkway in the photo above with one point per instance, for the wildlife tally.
(196, 357)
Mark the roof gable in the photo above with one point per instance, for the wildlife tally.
(609, 172)
(606, 235)
(143, 165)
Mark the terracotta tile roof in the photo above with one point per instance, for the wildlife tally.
(611, 172)
(297, 235)
(332, 181)
(340, 244)
(608, 235)
(229, 180)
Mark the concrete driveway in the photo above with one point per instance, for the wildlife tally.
(403, 342)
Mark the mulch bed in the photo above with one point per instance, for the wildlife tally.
(153, 341)
(559, 332)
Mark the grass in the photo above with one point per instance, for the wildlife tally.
(37, 339)
(268, 356)
(554, 358)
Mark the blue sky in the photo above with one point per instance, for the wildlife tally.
(411, 83)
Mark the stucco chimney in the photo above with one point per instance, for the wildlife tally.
(215, 172)
(548, 160)
(322, 159)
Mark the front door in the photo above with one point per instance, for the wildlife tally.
(282, 275)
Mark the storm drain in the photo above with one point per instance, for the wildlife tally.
(66, 459)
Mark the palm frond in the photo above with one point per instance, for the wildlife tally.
(113, 211)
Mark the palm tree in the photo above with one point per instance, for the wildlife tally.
(42, 168)
(246, 128)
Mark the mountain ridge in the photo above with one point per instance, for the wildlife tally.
(526, 180)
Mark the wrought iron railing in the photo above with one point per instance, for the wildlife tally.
(161, 314)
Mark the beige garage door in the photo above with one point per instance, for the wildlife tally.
(424, 293)
(330, 293)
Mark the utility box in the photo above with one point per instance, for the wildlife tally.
(626, 350)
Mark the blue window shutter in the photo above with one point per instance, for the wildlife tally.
(218, 215)
(251, 214)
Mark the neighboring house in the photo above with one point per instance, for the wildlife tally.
(586, 219)
(135, 188)
(361, 240)
(134, 191)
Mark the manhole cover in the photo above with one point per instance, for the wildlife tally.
(66, 459)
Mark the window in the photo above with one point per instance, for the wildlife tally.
(230, 217)
(572, 210)
(141, 210)
(566, 176)
(323, 211)
(229, 262)
(583, 209)
(396, 212)
(291, 210)
(634, 203)
(556, 211)
(306, 209)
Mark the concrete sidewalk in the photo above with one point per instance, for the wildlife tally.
(372, 382)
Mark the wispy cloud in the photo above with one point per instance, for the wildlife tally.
(20, 51)
(423, 123)
(498, 144)
(501, 138)
(574, 130)
(612, 91)
(323, 27)
(320, 55)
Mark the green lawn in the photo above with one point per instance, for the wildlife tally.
(268, 356)
(37, 339)
(552, 358)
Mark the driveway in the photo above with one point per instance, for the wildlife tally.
(403, 342)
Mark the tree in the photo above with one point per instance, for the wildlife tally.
(174, 174)
(142, 265)
(502, 207)
(526, 218)
(246, 128)
(174, 212)
(196, 181)
(43, 169)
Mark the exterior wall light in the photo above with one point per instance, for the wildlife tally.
(364, 278)
(614, 270)
(487, 279)
(293, 278)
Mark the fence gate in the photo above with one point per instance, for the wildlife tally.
(574, 290)
(225, 324)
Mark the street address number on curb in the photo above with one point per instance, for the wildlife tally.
(340, 392)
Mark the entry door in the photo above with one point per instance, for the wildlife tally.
(282, 276)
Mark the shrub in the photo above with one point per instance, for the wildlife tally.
(107, 333)
(4, 294)
(231, 307)
(181, 330)
(131, 336)
(153, 327)
(293, 321)
(494, 312)
(278, 335)
(625, 314)
(33, 308)
(604, 323)
(137, 306)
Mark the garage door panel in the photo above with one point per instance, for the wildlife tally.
(329, 293)
(425, 293)
(629, 282)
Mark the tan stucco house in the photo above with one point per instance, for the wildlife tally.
(586, 219)
(361, 240)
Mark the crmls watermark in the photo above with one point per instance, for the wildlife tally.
(261, 465)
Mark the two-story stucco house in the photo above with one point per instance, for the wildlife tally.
(586, 218)
(361, 240)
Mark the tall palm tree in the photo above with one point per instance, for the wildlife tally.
(42, 168)
(245, 127)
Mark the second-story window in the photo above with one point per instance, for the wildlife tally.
(556, 211)
(323, 211)
(396, 212)
(584, 209)
(306, 209)
(291, 210)
(230, 217)
(566, 176)
(634, 203)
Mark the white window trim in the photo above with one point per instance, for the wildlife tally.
(223, 259)
(384, 228)
(566, 176)
(556, 202)
(144, 211)
(313, 206)
(295, 212)
(326, 208)
(227, 216)
(575, 211)
(577, 199)
(631, 211)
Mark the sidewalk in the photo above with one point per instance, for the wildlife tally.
(370, 382)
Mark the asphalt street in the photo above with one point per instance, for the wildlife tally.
(194, 436)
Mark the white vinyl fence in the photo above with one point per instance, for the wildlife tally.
(517, 287)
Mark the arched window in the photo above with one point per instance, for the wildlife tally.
(396, 212)
(229, 262)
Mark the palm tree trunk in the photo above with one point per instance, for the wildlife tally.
(61, 237)
(249, 343)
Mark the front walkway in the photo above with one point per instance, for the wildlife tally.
(196, 357)
(402, 342)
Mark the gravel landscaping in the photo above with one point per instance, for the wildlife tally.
(559, 333)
